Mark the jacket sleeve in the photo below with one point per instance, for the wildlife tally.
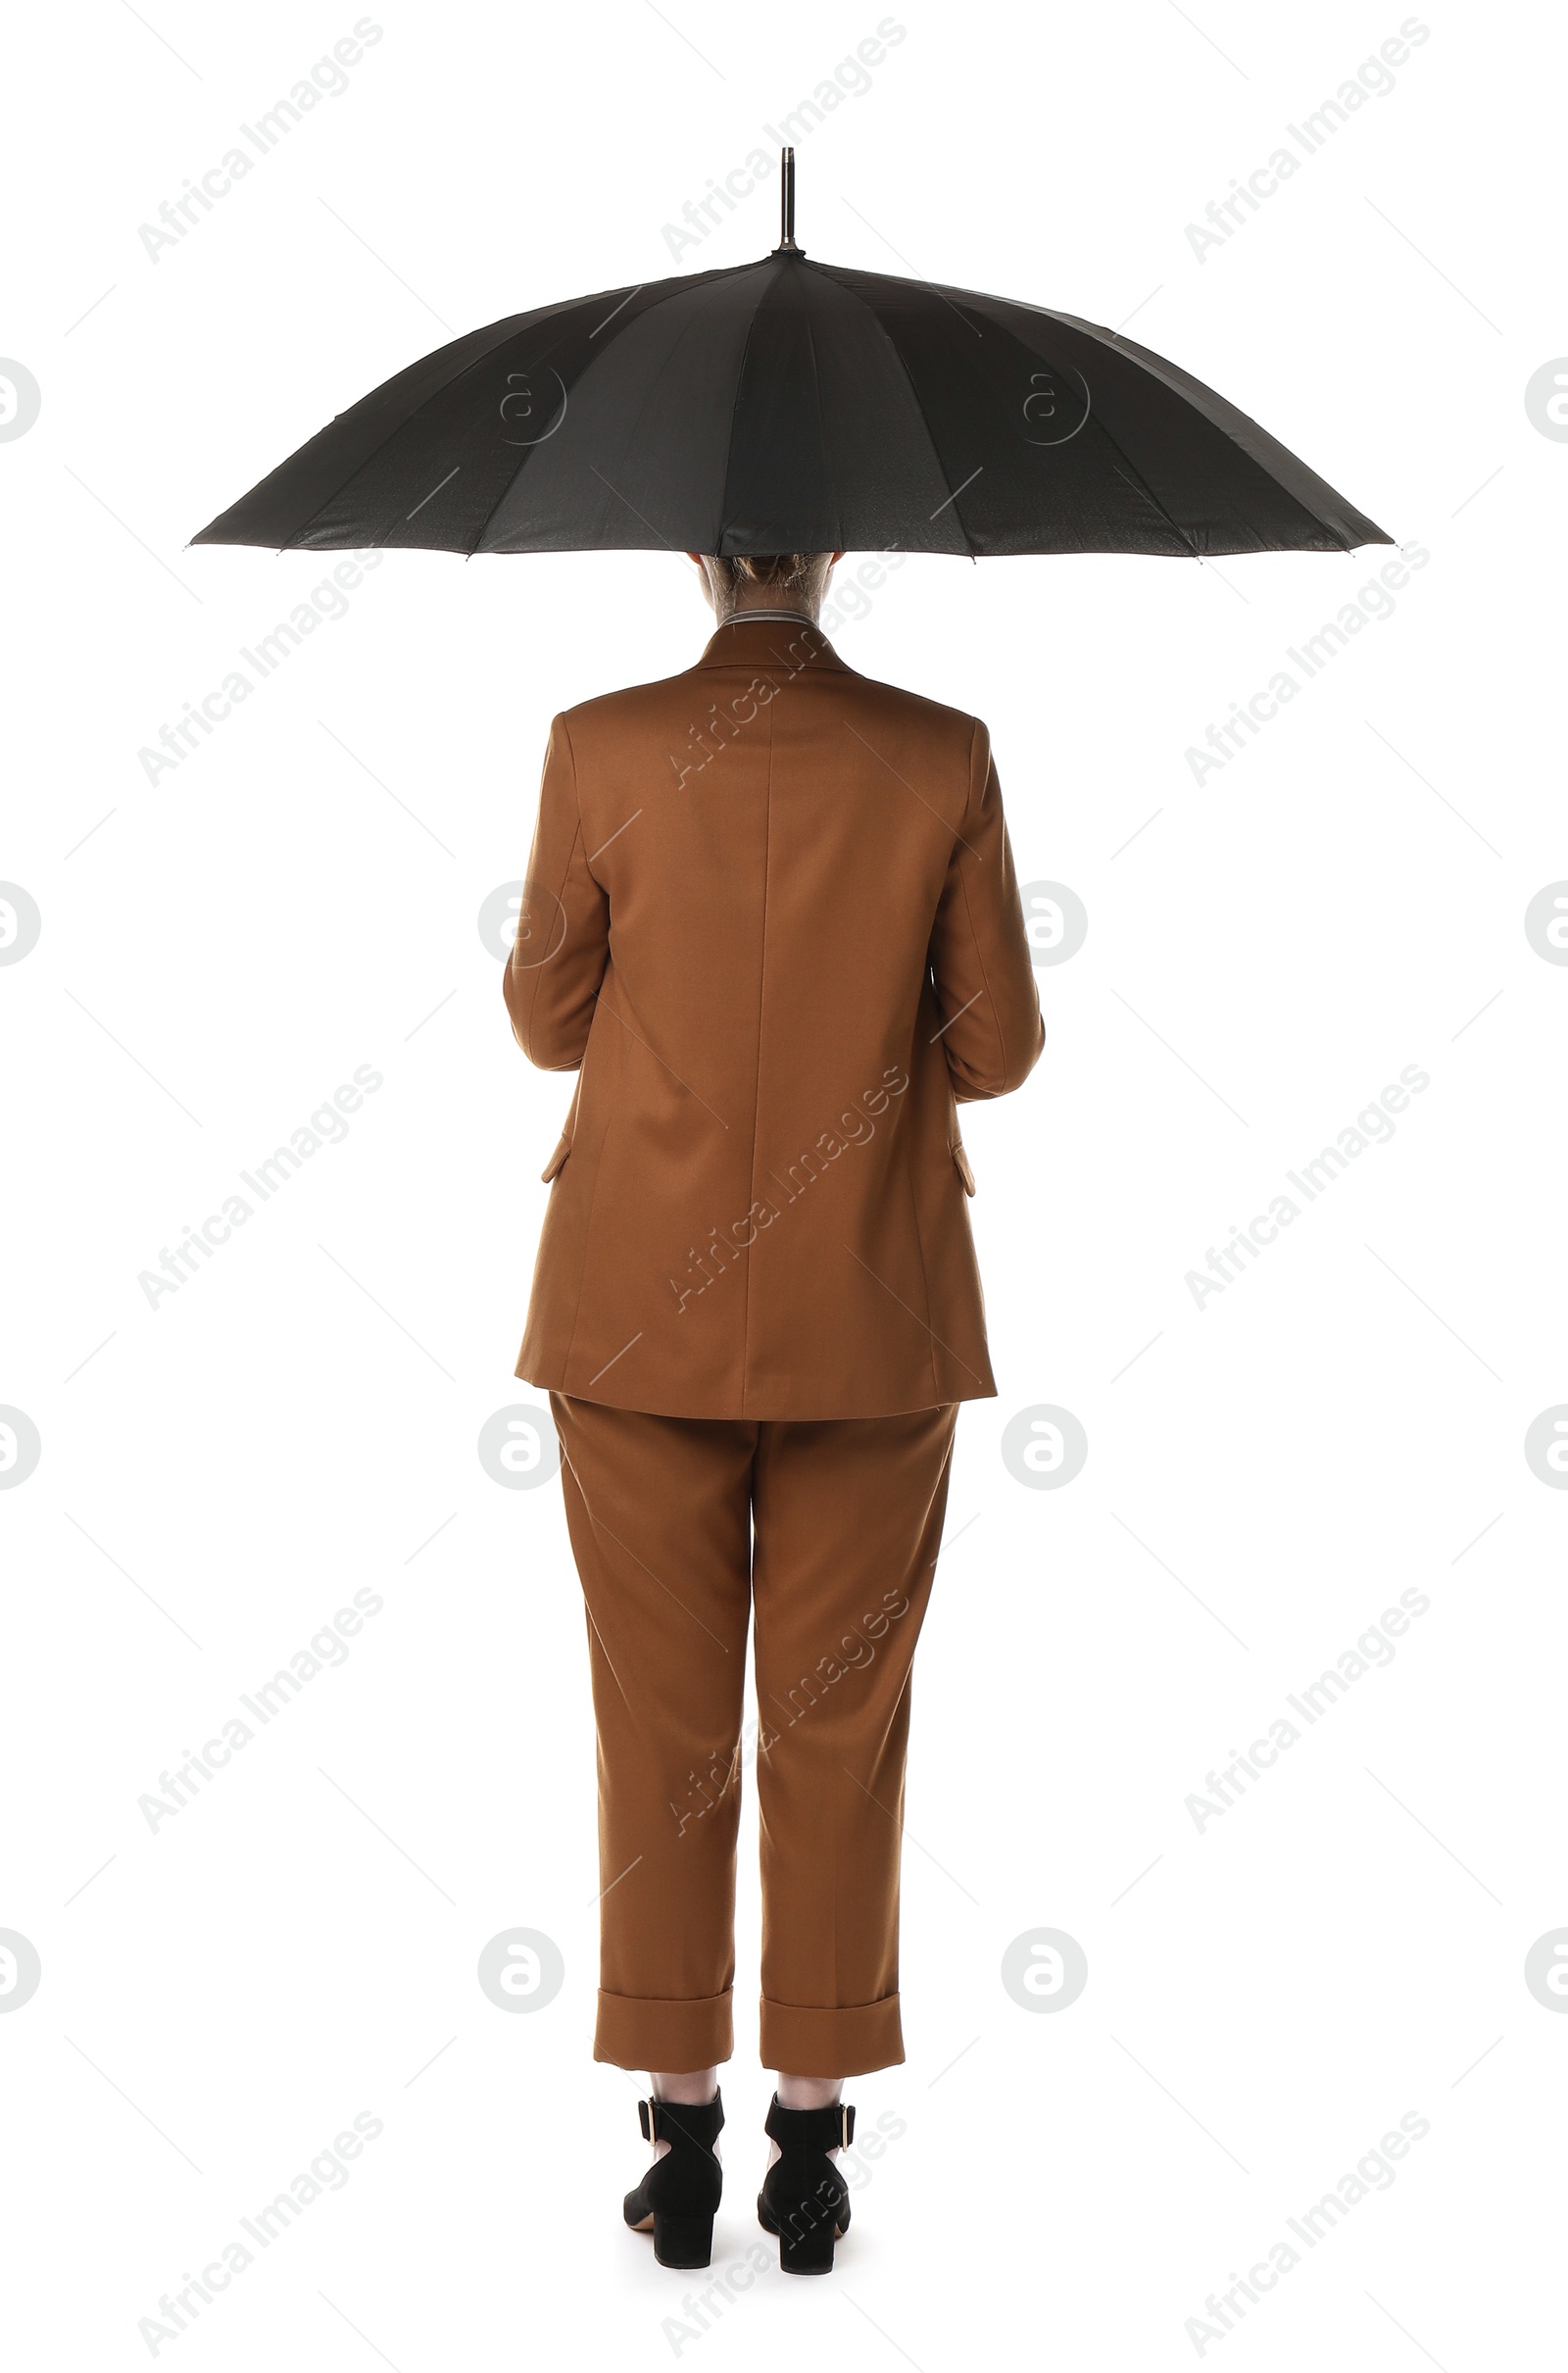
(980, 964)
(563, 944)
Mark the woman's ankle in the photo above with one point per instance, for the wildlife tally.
(807, 2093)
(693, 2086)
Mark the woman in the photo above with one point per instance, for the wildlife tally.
(773, 922)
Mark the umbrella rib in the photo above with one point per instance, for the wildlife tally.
(724, 272)
(986, 305)
(533, 449)
(821, 420)
(514, 324)
(729, 273)
(293, 545)
(1159, 366)
(1116, 446)
(909, 379)
(1137, 476)
(516, 474)
(734, 408)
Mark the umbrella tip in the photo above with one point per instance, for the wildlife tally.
(786, 206)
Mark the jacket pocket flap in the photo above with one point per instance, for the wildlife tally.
(960, 1162)
(558, 1159)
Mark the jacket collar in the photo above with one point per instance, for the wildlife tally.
(777, 642)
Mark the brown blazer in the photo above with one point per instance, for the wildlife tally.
(771, 914)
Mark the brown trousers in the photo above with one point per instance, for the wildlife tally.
(681, 1528)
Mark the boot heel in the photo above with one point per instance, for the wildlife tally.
(810, 2252)
(686, 2240)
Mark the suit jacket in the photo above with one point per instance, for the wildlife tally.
(771, 920)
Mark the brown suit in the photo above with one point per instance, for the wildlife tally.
(771, 914)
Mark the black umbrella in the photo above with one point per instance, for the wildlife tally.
(793, 406)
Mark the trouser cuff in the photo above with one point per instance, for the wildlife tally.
(832, 2043)
(674, 2037)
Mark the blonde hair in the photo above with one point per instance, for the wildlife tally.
(800, 576)
(785, 570)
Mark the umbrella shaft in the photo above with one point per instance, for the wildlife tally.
(786, 196)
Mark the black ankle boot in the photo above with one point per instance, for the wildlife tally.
(804, 2198)
(678, 2195)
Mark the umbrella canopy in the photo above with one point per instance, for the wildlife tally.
(794, 406)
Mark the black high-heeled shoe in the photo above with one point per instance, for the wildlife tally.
(804, 2198)
(677, 2197)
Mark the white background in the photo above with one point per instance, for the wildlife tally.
(221, 948)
